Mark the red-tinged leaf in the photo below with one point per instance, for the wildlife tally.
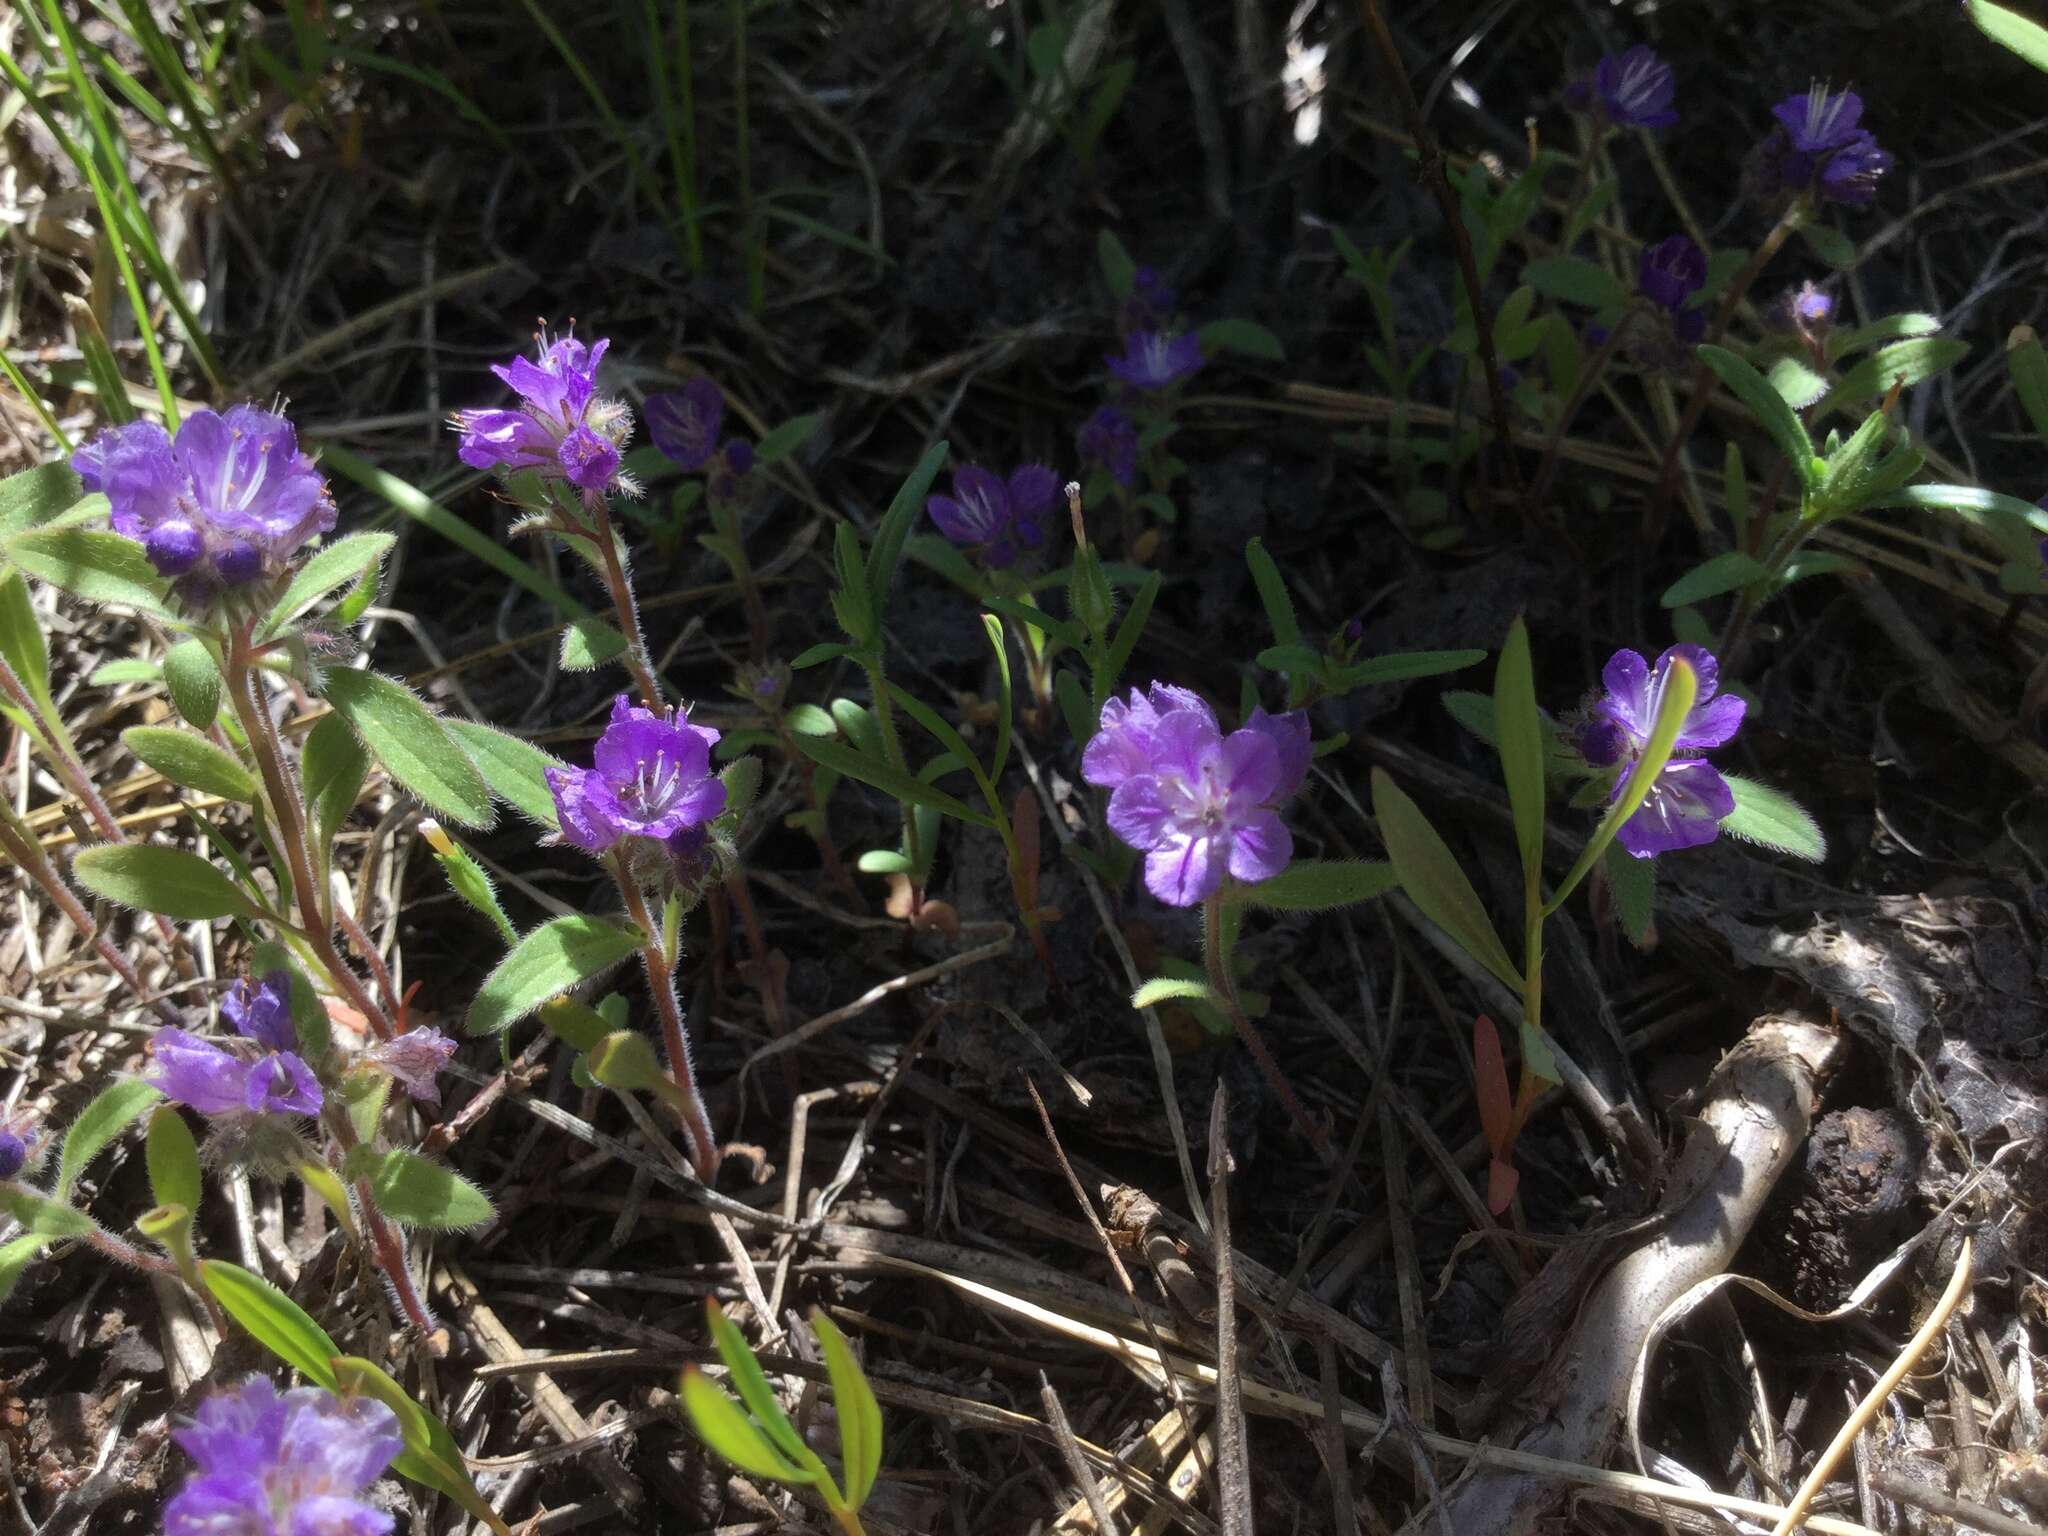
(1501, 1180)
(1496, 1097)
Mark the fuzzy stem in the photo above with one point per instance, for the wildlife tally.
(1217, 959)
(628, 610)
(689, 1109)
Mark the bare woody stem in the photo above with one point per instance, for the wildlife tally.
(1217, 960)
(689, 1110)
(1432, 172)
(290, 817)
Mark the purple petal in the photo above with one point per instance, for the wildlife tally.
(197, 1074)
(236, 1429)
(282, 1084)
(1183, 870)
(135, 466)
(1627, 680)
(1247, 768)
(1260, 847)
(174, 546)
(1185, 742)
(684, 424)
(1682, 810)
(331, 1516)
(414, 1059)
(580, 815)
(1141, 811)
(503, 440)
(1289, 734)
(1713, 723)
(335, 1445)
(1033, 490)
(589, 461)
(262, 1011)
(220, 1504)
(1117, 750)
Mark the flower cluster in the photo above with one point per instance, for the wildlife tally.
(283, 1464)
(1668, 274)
(1154, 361)
(270, 1079)
(997, 519)
(228, 500)
(1629, 90)
(1685, 806)
(562, 428)
(684, 425)
(1196, 802)
(651, 779)
(1818, 148)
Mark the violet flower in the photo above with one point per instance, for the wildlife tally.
(1151, 304)
(1668, 274)
(19, 1144)
(203, 1076)
(684, 423)
(262, 1011)
(732, 472)
(1156, 360)
(652, 778)
(414, 1059)
(1817, 147)
(290, 1464)
(1685, 805)
(998, 519)
(1633, 89)
(1197, 803)
(1109, 440)
(230, 498)
(562, 427)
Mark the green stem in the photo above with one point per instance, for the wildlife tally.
(1216, 959)
(688, 1103)
(628, 610)
(892, 748)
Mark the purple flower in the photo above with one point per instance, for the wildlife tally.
(1818, 147)
(1151, 304)
(1671, 271)
(1631, 90)
(1685, 806)
(1197, 803)
(1156, 360)
(18, 1144)
(562, 427)
(414, 1059)
(1808, 307)
(1108, 439)
(295, 1464)
(203, 1076)
(228, 499)
(652, 778)
(684, 425)
(262, 1011)
(996, 518)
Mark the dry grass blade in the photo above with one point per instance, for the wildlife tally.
(1077, 1464)
(1233, 1454)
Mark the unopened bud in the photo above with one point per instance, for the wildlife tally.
(437, 839)
(1074, 512)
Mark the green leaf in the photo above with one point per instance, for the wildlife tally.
(590, 643)
(890, 533)
(1317, 885)
(431, 1456)
(1767, 406)
(1247, 338)
(880, 773)
(1796, 382)
(751, 1382)
(574, 1022)
(1118, 270)
(273, 1319)
(1273, 594)
(1903, 362)
(332, 767)
(107, 1116)
(883, 861)
(131, 670)
(91, 563)
(1829, 244)
(2028, 361)
(1130, 629)
(1772, 819)
(1632, 883)
(1403, 665)
(21, 638)
(171, 881)
(41, 1215)
(1172, 989)
(1521, 746)
(191, 761)
(411, 743)
(34, 496)
(816, 655)
(1575, 281)
(15, 1258)
(193, 677)
(2011, 28)
(410, 1189)
(720, 1424)
(556, 956)
(1888, 328)
(782, 441)
(809, 720)
(1710, 578)
(742, 781)
(334, 566)
(173, 1159)
(1431, 876)
(515, 768)
(860, 1416)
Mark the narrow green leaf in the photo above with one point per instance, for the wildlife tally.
(860, 1416)
(2013, 28)
(21, 637)
(1131, 628)
(1404, 665)
(1796, 382)
(431, 1457)
(1735, 489)
(194, 679)
(410, 1189)
(411, 743)
(1317, 885)
(1431, 876)
(1576, 281)
(590, 643)
(1520, 727)
(336, 565)
(1767, 406)
(1889, 328)
(1829, 244)
(1118, 270)
(1172, 989)
(809, 720)
(1774, 820)
(1273, 594)
(883, 861)
(1903, 362)
(34, 496)
(42, 1215)
(332, 767)
(171, 881)
(1247, 338)
(1000, 757)
(173, 1159)
(273, 1319)
(881, 774)
(816, 655)
(556, 956)
(1710, 578)
(1632, 883)
(895, 527)
(2028, 361)
(781, 441)
(15, 1258)
(720, 1424)
(110, 1113)
(515, 768)
(111, 674)
(91, 563)
(751, 1382)
(191, 761)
